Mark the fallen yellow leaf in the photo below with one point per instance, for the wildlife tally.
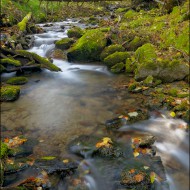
(135, 153)
(65, 161)
(106, 142)
(172, 114)
(152, 177)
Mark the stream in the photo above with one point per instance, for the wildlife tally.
(56, 108)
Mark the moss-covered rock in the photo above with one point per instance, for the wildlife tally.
(148, 80)
(130, 65)
(17, 80)
(115, 58)
(88, 47)
(75, 32)
(163, 70)
(135, 43)
(110, 50)
(4, 150)
(145, 53)
(118, 68)
(10, 61)
(64, 43)
(9, 93)
(44, 63)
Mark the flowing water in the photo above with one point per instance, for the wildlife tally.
(55, 108)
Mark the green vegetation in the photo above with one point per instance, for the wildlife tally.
(4, 150)
(9, 93)
(17, 80)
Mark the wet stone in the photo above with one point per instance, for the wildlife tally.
(115, 123)
(56, 166)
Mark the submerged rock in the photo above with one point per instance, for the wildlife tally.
(56, 166)
(87, 146)
(9, 93)
(17, 80)
(88, 47)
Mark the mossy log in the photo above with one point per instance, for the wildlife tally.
(21, 60)
(23, 23)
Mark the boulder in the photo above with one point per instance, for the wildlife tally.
(9, 93)
(115, 58)
(88, 47)
(110, 50)
(64, 43)
(167, 71)
(118, 68)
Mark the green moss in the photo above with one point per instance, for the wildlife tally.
(110, 50)
(10, 93)
(158, 82)
(132, 86)
(22, 24)
(105, 29)
(173, 92)
(118, 68)
(2, 68)
(135, 43)
(130, 65)
(148, 80)
(48, 157)
(182, 95)
(10, 61)
(116, 57)
(75, 32)
(64, 43)
(88, 47)
(44, 63)
(120, 10)
(4, 150)
(130, 14)
(145, 53)
(182, 107)
(17, 80)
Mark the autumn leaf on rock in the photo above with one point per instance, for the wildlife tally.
(14, 142)
(139, 177)
(106, 142)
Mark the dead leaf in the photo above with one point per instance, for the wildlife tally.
(139, 177)
(106, 142)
